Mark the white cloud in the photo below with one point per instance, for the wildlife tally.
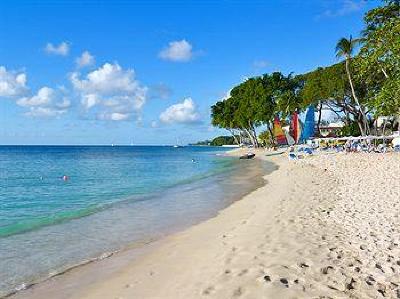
(113, 116)
(11, 83)
(260, 64)
(185, 112)
(115, 92)
(44, 112)
(177, 51)
(44, 96)
(346, 7)
(62, 49)
(48, 102)
(86, 59)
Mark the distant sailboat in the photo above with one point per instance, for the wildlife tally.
(177, 145)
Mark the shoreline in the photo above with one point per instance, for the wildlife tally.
(326, 226)
(131, 250)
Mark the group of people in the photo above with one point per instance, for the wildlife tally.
(368, 147)
(377, 145)
(348, 146)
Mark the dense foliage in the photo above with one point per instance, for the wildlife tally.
(363, 86)
(223, 140)
(379, 63)
(254, 103)
(218, 141)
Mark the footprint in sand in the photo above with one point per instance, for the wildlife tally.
(243, 272)
(284, 281)
(303, 265)
(129, 285)
(238, 292)
(327, 270)
(267, 278)
(208, 290)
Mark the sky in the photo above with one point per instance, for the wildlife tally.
(147, 72)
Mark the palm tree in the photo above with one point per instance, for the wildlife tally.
(345, 48)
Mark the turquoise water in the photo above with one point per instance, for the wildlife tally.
(35, 195)
(113, 196)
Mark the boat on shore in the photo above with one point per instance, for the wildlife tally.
(247, 156)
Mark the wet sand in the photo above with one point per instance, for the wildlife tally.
(191, 204)
(326, 226)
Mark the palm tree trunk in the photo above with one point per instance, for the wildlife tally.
(364, 119)
(360, 124)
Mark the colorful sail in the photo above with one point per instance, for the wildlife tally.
(289, 138)
(309, 124)
(296, 127)
(278, 132)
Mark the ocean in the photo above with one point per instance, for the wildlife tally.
(61, 206)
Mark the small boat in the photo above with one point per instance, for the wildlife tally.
(177, 144)
(247, 156)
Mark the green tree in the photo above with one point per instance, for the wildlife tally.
(222, 140)
(329, 89)
(222, 116)
(379, 62)
(255, 102)
(345, 49)
(247, 96)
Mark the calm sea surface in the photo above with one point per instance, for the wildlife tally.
(113, 196)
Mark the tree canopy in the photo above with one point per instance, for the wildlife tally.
(366, 84)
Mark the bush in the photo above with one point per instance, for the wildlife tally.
(223, 140)
(351, 129)
(266, 139)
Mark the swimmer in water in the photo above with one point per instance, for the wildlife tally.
(65, 178)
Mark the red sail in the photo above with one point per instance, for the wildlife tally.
(296, 127)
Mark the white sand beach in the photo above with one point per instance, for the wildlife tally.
(327, 226)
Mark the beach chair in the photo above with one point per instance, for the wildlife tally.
(381, 148)
(308, 151)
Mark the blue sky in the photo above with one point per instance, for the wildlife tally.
(147, 71)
